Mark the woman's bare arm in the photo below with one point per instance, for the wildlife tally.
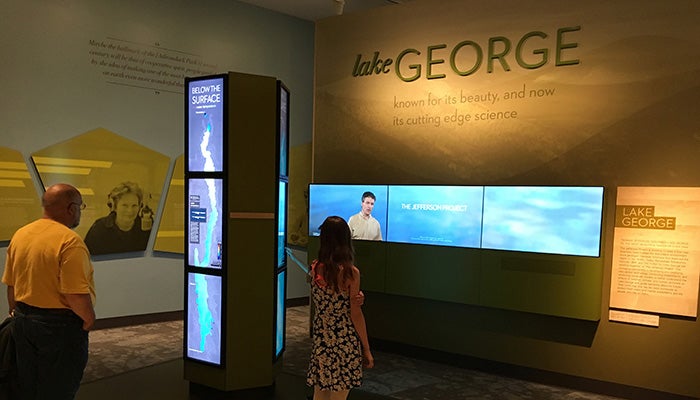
(358, 319)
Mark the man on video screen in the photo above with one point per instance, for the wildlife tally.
(363, 225)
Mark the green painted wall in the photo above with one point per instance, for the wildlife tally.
(622, 115)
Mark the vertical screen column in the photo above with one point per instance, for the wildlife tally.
(205, 180)
(282, 201)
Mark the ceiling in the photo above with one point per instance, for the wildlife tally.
(316, 9)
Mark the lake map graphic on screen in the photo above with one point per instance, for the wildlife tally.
(205, 222)
(206, 130)
(204, 317)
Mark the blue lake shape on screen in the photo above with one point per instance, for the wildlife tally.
(205, 223)
(204, 318)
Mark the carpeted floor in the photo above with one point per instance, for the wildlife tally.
(117, 351)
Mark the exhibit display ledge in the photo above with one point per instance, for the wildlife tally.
(548, 284)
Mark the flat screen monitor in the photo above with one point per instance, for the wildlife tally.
(283, 129)
(543, 219)
(204, 313)
(205, 222)
(435, 215)
(347, 201)
(280, 313)
(205, 130)
(282, 224)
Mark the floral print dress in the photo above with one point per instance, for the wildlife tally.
(336, 356)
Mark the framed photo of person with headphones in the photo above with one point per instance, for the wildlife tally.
(128, 225)
(121, 182)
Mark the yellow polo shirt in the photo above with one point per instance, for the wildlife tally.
(46, 259)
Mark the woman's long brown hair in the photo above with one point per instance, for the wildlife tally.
(336, 252)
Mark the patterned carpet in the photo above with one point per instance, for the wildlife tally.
(119, 350)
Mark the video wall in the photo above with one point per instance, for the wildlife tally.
(541, 219)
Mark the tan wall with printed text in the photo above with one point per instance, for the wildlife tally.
(620, 109)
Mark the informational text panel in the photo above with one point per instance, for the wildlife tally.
(656, 252)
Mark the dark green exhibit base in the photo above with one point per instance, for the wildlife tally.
(205, 392)
(524, 282)
(286, 387)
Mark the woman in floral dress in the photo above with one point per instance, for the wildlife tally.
(340, 348)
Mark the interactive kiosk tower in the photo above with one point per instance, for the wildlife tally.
(236, 144)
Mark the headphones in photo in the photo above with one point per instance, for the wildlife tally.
(122, 189)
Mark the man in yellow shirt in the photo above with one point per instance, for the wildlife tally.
(51, 292)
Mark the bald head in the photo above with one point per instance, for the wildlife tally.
(61, 203)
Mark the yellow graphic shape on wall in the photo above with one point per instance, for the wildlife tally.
(171, 231)
(120, 181)
(19, 201)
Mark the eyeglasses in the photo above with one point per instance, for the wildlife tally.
(81, 205)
